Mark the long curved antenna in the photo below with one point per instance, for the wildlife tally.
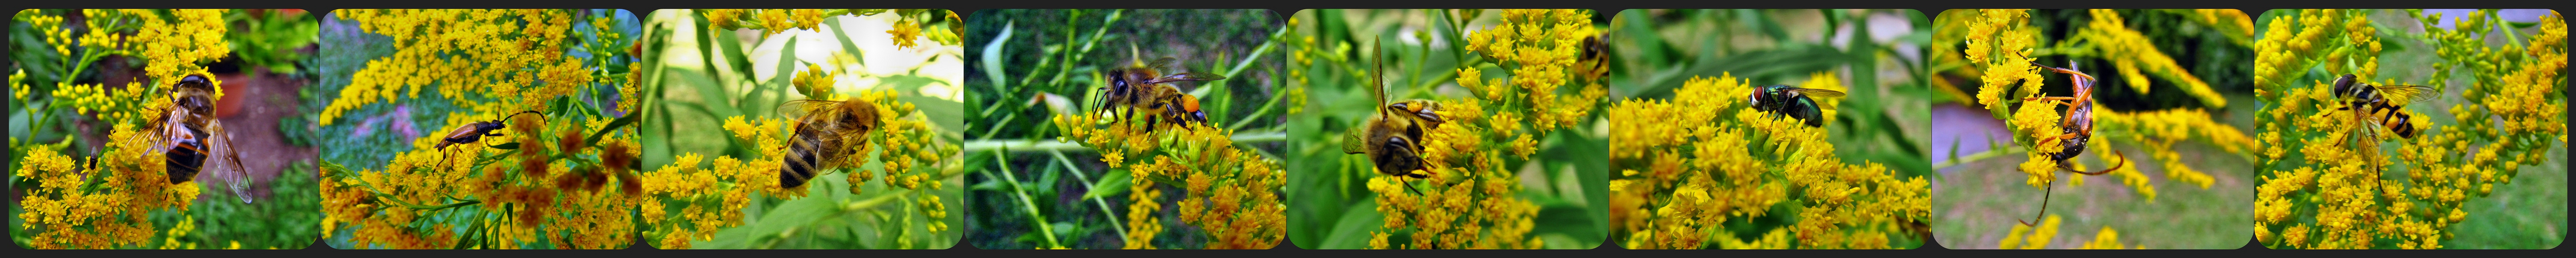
(2124, 162)
(2043, 203)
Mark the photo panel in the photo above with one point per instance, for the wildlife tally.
(478, 128)
(1448, 129)
(2151, 106)
(802, 128)
(162, 129)
(1769, 129)
(2411, 129)
(1127, 129)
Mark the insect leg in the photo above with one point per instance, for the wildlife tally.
(2043, 203)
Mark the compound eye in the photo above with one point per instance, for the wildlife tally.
(1755, 98)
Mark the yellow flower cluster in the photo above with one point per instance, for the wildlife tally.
(2158, 131)
(2038, 237)
(2000, 41)
(103, 203)
(171, 43)
(768, 21)
(1542, 48)
(1230, 192)
(518, 198)
(560, 186)
(2326, 183)
(712, 197)
(500, 54)
(1691, 164)
(105, 200)
(2136, 57)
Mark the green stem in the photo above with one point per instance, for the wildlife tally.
(1974, 157)
(1104, 205)
(1036, 219)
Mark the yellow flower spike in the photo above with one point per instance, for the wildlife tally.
(1742, 163)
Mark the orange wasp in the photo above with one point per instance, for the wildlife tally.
(2078, 124)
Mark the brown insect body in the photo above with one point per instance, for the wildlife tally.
(2383, 101)
(829, 134)
(1391, 138)
(186, 134)
(2077, 126)
(474, 132)
(1144, 87)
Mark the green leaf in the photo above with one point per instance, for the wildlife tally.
(993, 58)
(794, 214)
(1116, 182)
(1353, 229)
(612, 127)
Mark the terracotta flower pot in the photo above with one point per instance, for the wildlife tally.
(236, 87)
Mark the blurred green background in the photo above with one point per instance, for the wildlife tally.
(1982, 193)
(1031, 65)
(1876, 54)
(700, 76)
(1329, 204)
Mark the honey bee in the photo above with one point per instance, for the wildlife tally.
(2383, 101)
(474, 132)
(1595, 61)
(2078, 130)
(828, 134)
(1792, 101)
(1391, 138)
(1142, 87)
(186, 133)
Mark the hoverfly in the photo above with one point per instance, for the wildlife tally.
(2078, 130)
(1792, 101)
(1141, 87)
(2384, 101)
(1391, 138)
(474, 132)
(828, 134)
(186, 134)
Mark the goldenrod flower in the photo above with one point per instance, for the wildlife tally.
(1702, 159)
(904, 32)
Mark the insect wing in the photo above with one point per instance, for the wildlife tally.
(1815, 92)
(1160, 63)
(2406, 93)
(228, 166)
(1187, 76)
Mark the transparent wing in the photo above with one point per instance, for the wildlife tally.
(1160, 63)
(798, 109)
(1815, 92)
(228, 166)
(2407, 93)
(1187, 76)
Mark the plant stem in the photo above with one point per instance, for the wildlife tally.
(1037, 219)
(1974, 157)
(1104, 205)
